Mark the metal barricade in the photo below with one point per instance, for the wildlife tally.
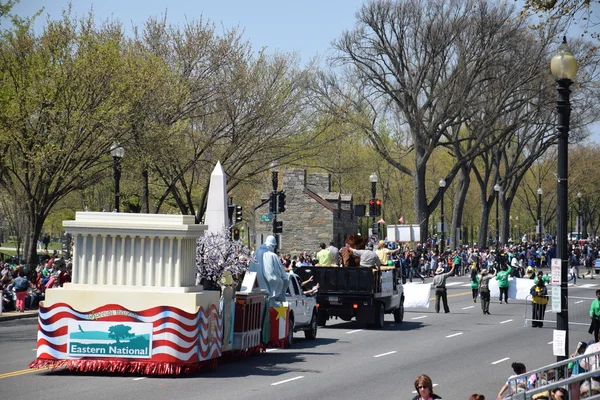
(550, 377)
(579, 311)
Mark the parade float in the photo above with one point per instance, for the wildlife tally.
(134, 304)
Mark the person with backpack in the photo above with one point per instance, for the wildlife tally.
(484, 290)
(21, 287)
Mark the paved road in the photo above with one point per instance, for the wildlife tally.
(464, 352)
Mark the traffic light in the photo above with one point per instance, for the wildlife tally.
(377, 207)
(236, 234)
(273, 203)
(278, 228)
(238, 213)
(372, 210)
(281, 202)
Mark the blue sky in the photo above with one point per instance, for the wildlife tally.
(304, 26)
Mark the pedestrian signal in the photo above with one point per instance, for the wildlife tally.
(236, 234)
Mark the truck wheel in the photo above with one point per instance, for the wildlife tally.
(291, 331)
(322, 318)
(379, 316)
(311, 332)
(399, 312)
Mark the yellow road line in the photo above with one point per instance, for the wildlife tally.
(21, 372)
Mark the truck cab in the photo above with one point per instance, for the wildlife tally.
(303, 310)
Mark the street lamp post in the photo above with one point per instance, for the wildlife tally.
(579, 217)
(539, 215)
(443, 226)
(117, 152)
(497, 190)
(564, 68)
(373, 178)
(274, 181)
(518, 230)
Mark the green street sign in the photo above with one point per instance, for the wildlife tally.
(266, 217)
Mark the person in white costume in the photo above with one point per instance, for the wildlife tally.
(270, 272)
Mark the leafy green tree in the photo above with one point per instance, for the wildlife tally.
(60, 96)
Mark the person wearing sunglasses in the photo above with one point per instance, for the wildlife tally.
(424, 387)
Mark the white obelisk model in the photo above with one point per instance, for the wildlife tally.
(216, 216)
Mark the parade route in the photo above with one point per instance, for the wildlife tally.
(345, 361)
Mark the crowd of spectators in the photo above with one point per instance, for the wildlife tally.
(52, 271)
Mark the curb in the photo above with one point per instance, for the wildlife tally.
(12, 316)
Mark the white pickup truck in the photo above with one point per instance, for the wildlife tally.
(303, 310)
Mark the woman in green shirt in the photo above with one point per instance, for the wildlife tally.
(474, 282)
(595, 316)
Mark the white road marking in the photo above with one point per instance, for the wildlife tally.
(587, 285)
(501, 360)
(287, 380)
(550, 342)
(466, 308)
(577, 302)
(354, 331)
(385, 354)
(421, 317)
(270, 350)
(453, 283)
(138, 379)
(508, 320)
(454, 334)
(466, 285)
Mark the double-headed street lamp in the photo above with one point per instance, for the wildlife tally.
(442, 186)
(117, 152)
(497, 190)
(373, 178)
(539, 215)
(564, 68)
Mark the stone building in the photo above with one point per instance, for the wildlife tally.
(314, 213)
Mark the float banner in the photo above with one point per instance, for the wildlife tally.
(161, 334)
(109, 339)
(416, 295)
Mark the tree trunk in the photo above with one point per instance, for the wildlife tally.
(145, 192)
(459, 203)
(420, 198)
(483, 225)
(35, 228)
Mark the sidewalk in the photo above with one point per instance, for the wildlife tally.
(10, 315)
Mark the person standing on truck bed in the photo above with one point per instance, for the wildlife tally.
(348, 259)
(439, 283)
(324, 256)
(383, 253)
(368, 258)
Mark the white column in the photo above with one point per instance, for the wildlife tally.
(140, 264)
(160, 265)
(93, 267)
(131, 270)
(178, 264)
(151, 278)
(122, 277)
(169, 269)
(112, 271)
(102, 266)
(83, 267)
